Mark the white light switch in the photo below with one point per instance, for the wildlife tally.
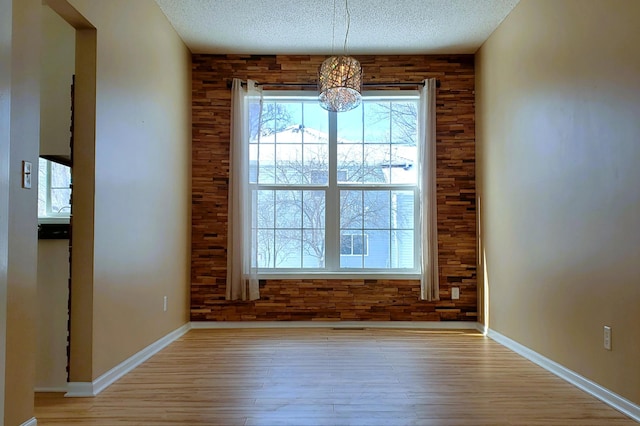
(26, 174)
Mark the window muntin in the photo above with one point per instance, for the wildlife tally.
(323, 185)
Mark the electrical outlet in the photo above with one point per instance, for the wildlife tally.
(607, 337)
(455, 293)
(164, 304)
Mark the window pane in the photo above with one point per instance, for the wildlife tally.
(288, 153)
(266, 159)
(265, 248)
(404, 119)
(313, 248)
(378, 254)
(60, 175)
(376, 163)
(275, 118)
(316, 164)
(288, 249)
(402, 248)
(404, 163)
(289, 164)
(376, 122)
(291, 134)
(317, 177)
(350, 126)
(358, 245)
(265, 209)
(402, 210)
(60, 201)
(42, 187)
(316, 123)
(313, 209)
(346, 244)
(377, 210)
(289, 209)
(351, 210)
(349, 165)
(289, 123)
(348, 248)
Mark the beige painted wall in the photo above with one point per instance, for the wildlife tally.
(58, 66)
(81, 312)
(142, 179)
(558, 101)
(21, 223)
(53, 296)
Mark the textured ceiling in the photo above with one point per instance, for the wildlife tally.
(305, 26)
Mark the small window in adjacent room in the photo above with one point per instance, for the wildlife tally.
(54, 192)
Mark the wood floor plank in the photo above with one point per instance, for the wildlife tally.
(333, 377)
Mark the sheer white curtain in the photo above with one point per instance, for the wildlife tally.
(242, 281)
(429, 282)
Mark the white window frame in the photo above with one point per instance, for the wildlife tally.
(332, 239)
(51, 216)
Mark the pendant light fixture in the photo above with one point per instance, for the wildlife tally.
(340, 77)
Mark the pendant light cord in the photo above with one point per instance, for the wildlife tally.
(333, 29)
(346, 34)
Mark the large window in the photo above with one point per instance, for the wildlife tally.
(335, 192)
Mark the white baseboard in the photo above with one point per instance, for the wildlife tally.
(54, 389)
(88, 389)
(31, 422)
(422, 325)
(482, 328)
(616, 401)
(79, 390)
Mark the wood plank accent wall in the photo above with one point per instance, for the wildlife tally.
(327, 299)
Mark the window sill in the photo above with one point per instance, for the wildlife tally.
(338, 276)
(46, 220)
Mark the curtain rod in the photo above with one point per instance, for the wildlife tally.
(386, 84)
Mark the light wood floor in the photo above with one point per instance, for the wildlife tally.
(333, 377)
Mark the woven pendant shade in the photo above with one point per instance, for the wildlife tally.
(340, 83)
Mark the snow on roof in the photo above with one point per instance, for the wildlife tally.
(299, 144)
(290, 139)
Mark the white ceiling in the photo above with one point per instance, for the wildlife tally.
(305, 26)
